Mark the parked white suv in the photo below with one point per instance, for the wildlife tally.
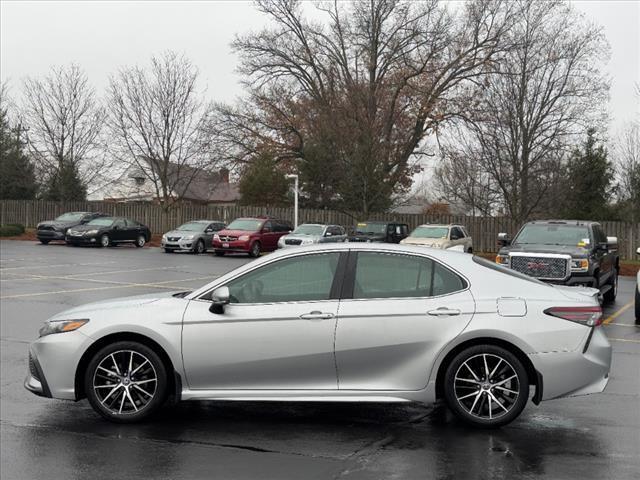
(441, 236)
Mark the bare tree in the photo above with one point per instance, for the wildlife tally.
(156, 119)
(547, 91)
(354, 96)
(64, 119)
(626, 154)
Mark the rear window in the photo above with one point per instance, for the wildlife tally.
(507, 271)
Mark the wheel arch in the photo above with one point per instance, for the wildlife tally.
(174, 381)
(534, 377)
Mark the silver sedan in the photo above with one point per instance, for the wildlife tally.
(342, 322)
(310, 233)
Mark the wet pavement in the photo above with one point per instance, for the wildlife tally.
(590, 437)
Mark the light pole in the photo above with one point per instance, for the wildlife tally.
(295, 198)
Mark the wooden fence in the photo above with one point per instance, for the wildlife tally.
(484, 230)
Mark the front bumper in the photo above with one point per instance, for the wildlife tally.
(82, 239)
(53, 361)
(50, 235)
(576, 279)
(232, 246)
(580, 372)
(179, 245)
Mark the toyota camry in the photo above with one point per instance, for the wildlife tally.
(343, 322)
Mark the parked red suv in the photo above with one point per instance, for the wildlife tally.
(250, 235)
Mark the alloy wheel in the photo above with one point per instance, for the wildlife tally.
(125, 382)
(104, 240)
(199, 247)
(140, 241)
(486, 386)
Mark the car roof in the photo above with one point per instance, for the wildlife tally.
(580, 223)
(447, 225)
(204, 221)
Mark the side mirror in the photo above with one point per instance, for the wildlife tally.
(208, 230)
(219, 298)
(503, 239)
(612, 242)
(638, 251)
(328, 234)
(265, 230)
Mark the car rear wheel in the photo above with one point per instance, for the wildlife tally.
(45, 242)
(199, 247)
(105, 241)
(255, 250)
(220, 253)
(611, 294)
(140, 241)
(486, 386)
(126, 382)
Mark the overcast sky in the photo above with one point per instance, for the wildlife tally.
(104, 35)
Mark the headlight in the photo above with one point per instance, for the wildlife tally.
(243, 238)
(216, 237)
(60, 326)
(91, 232)
(188, 237)
(579, 264)
(502, 259)
(164, 236)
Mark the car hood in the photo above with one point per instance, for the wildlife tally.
(126, 302)
(236, 233)
(432, 242)
(182, 233)
(574, 251)
(53, 223)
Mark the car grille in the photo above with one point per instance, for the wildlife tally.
(292, 241)
(173, 239)
(46, 227)
(32, 368)
(546, 268)
(227, 238)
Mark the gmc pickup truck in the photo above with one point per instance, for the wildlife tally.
(565, 252)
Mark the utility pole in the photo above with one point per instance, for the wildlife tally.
(295, 198)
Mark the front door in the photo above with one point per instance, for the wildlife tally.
(404, 309)
(277, 332)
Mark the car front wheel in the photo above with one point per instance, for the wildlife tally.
(105, 241)
(140, 241)
(45, 242)
(199, 248)
(126, 382)
(486, 386)
(255, 250)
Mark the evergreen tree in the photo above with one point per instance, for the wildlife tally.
(65, 185)
(263, 183)
(17, 177)
(590, 181)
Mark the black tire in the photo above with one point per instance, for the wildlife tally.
(105, 241)
(168, 250)
(45, 242)
(610, 295)
(199, 248)
(220, 253)
(637, 306)
(470, 250)
(140, 241)
(481, 393)
(119, 352)
(255, 249)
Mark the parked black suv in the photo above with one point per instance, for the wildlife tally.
(49, 230)
(373, 231)
(566, 252)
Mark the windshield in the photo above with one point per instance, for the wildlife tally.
(192, 227)
(103, 222)
(371, 228)
(553, 234)
(245, 224)
(309, 230)
(430, 232)
(70, 217)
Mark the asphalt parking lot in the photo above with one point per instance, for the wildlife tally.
(591, 437)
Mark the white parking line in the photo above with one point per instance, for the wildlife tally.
(4, 269)
(33, 276)
(163, 285)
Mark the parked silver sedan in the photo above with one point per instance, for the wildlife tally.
(342, 322)
(194, 236)
(310, 233)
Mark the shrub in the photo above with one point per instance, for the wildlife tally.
(11, 230)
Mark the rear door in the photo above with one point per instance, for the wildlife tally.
(397, 312)
(119, 230)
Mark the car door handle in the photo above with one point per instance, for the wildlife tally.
(315, 315)
(444, 312)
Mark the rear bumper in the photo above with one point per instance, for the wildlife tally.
(578, 372)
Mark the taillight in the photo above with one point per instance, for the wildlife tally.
(589, 316)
